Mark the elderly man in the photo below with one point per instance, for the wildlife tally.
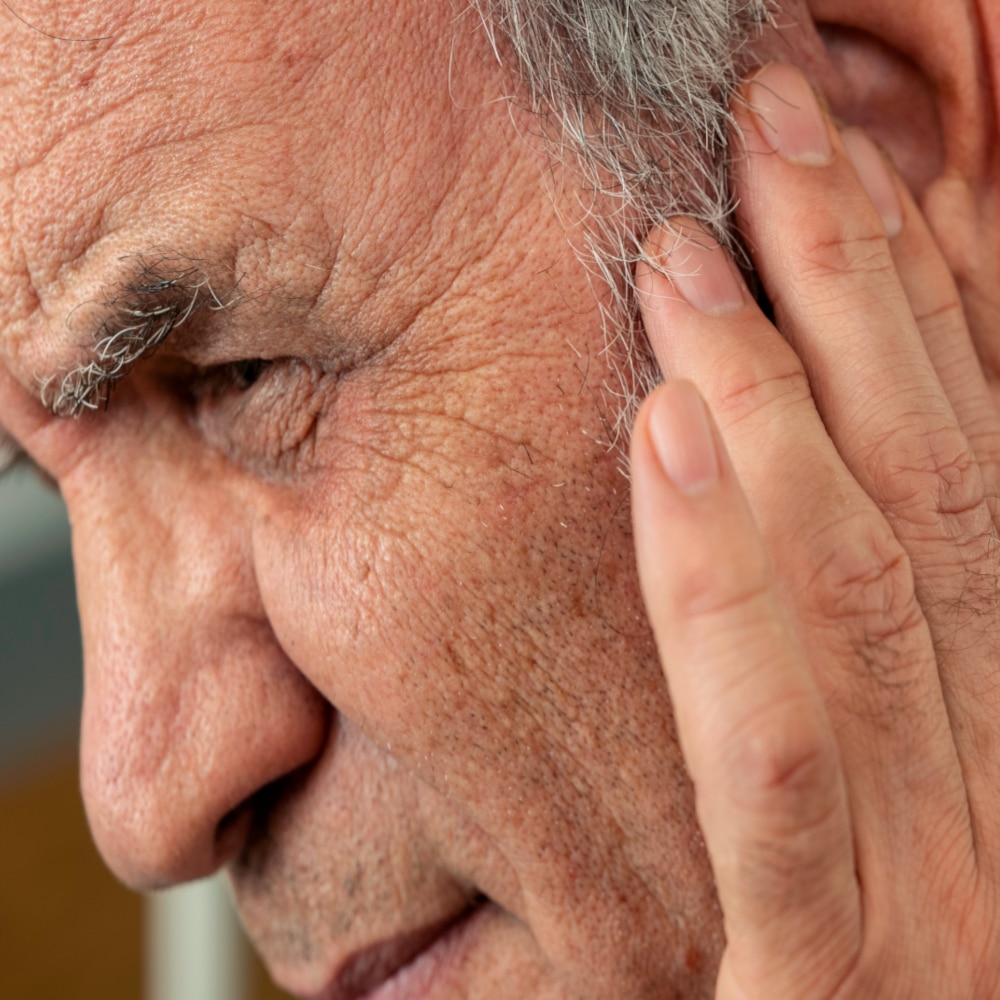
(361, 619)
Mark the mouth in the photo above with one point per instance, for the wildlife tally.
(406, 967)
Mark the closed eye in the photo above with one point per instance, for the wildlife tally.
(232, 377)
(244, 374)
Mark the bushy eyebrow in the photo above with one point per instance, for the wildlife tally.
(159, 290)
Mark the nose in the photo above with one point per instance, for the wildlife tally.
(191, 707)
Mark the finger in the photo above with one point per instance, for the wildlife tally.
(840, 569)
(768, 783)
(937, 308)
(962, 616)
(823, 252)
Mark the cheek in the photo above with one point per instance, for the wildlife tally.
(422, 526)
(442, 600)
(446, 587)
(482, 627)
(403, 580)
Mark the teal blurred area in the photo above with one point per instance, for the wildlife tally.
(40, 655)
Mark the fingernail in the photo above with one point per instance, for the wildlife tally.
(682, 438)
(701, 271)
(788, 116)
(875, 177)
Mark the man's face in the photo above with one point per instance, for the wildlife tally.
(352, 547)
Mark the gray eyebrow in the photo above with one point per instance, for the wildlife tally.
(160, 290)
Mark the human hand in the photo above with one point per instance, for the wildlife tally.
(819, 563)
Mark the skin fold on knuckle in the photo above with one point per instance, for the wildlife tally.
(712, 593)
(845, 251)
(933, 476)
(780, 769)
(871, 644)
(757, 386)
(861, 576)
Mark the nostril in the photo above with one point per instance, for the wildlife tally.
(232, 832)
(243, 824)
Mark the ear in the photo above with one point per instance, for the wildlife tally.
(923, 77)
(884, 91)
(910, 72)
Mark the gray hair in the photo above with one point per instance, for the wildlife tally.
(634, 96)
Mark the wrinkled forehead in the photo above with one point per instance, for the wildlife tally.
(177, 67)
(93, 95)
(51, 58)
(131, 124)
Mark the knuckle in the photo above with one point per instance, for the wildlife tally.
(933, 475)
(865, 577)
(958, 486)
(749, 390)
(944, 317)
(782, 766)
(710, 594)
(835, 244)
(862, 600)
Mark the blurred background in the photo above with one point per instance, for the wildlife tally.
(67, 929)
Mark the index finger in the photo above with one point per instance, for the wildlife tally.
(769, 788)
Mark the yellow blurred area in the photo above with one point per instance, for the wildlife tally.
(67, 928)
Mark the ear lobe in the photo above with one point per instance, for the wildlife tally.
(882, 90)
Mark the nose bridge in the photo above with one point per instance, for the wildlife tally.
(190, 705)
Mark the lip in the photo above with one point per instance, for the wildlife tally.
(406, 967)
